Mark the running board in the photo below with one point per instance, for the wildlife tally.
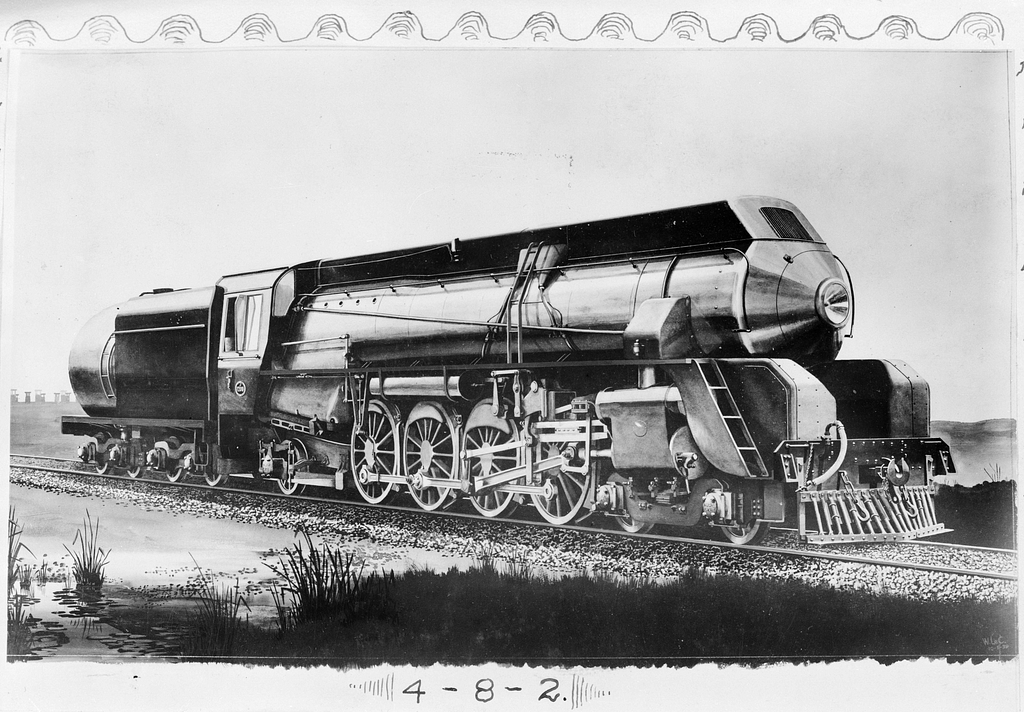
(868, 515)
(315, 480)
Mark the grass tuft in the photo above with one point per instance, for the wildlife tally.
(89, 559)
(516, 560)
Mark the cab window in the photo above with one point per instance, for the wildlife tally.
(242, 323)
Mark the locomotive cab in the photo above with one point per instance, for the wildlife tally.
(253, 308)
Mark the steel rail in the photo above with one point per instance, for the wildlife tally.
(793, 553)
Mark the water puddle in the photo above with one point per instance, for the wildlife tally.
(86, 623)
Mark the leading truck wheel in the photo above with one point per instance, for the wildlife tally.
(753, 533)
(375, 448)
(631, 526)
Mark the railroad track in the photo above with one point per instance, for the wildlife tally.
(781, 544)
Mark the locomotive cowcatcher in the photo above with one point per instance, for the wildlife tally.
(672, 368)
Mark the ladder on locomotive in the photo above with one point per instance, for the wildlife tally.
(725, 404)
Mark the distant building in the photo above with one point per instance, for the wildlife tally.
(39, 396)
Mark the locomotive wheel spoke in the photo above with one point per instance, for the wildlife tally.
(496, 502)
(428, 452)
(570, 492)
(375, 449)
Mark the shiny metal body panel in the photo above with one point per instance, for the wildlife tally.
(878, 398)
(642, 420)
(777, 399)
(446, 321)
(161, 364)
(781, 398)
(84, 364)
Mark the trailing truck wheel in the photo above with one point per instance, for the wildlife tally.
(296, 454)
(177, 474)
(375, 448)
(753, 533)
(103, 464)
(134, 471)
(430, 450)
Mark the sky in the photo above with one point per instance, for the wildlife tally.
(134, 170)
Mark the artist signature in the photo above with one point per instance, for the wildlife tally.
(995, 644)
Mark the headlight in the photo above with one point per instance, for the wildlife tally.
(833, 302)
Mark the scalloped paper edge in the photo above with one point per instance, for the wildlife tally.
(683, 29)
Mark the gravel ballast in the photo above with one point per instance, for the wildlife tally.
(558, 551)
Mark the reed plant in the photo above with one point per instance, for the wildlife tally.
(14, 549)
(321, 583)
(24, 575)
(19, 627)
(89, 559)
(995, 474)
(214, 624)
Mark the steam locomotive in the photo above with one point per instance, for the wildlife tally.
(672, 368)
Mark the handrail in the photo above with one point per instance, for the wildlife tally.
(853, 296)
(462, 322)
(739, 296)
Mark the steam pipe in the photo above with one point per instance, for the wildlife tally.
(841, 431)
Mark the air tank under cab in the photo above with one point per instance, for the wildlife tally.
(676, 367)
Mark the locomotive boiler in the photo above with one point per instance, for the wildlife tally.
(673, 368)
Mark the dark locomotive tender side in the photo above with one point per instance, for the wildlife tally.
(676, 368)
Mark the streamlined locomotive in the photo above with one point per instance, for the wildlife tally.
(675, 368)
